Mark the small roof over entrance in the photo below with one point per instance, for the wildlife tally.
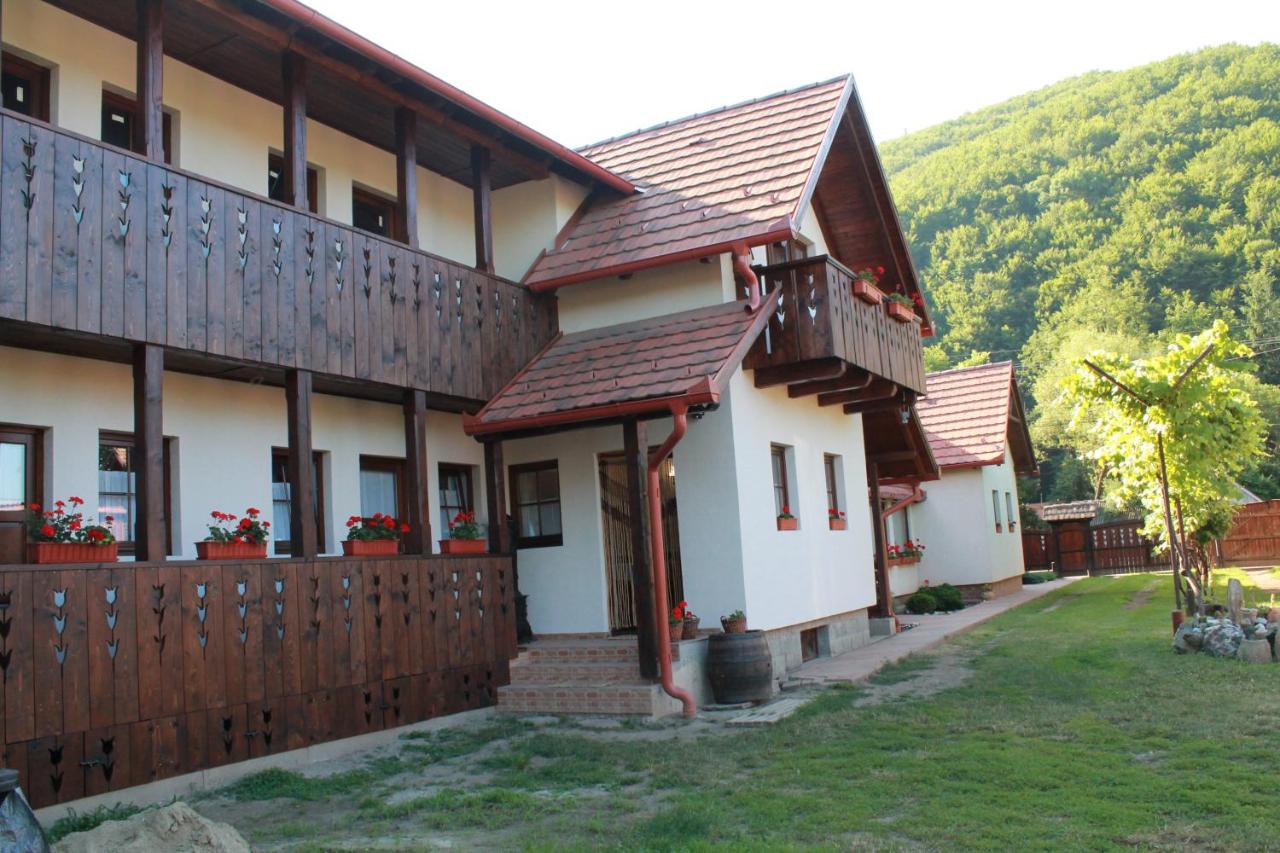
(638, 369)
(973, 417)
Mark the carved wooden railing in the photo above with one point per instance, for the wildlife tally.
(819, 317)
(96, 240)
(118, 675)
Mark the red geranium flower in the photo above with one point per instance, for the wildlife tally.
(389, 523)
(404, 528)
(75, 501)
(46, 531)
(34, 507)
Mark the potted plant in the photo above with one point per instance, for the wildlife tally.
(734, 623)
(901, 308)
(690, 623)
(465, 536)
(866, 285)
(787, 521)
(675, 626)
(836, 519)
(906, 554)
(376, 536)
(59, 536)
(246, 540)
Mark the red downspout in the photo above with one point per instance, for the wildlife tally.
(917, 495)
(742, 266)
(679, 426)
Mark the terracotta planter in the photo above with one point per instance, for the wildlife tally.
(691, 628)
(838, 523)
(208, 550)
(371, 547)
(733, 626)
(675, 632)
(462, 546)
(71, 552)
(867, 292)
(788, 524)
(903, 561)
(901, 313)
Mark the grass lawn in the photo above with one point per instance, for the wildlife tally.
(1076, 728)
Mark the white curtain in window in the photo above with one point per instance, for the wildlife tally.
(377, 493)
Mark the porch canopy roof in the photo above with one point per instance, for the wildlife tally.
(898, 446)
(639, 369)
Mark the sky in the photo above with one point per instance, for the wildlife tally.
(584, 71)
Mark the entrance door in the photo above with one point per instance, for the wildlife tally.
(19, 486)
(617, 539)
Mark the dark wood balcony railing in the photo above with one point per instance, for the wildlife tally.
(118, 675)
(819, 320)
(96, 240)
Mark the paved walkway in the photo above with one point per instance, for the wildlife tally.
(862, 663)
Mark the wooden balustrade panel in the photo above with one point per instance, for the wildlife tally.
(96, 240)
(123, 674)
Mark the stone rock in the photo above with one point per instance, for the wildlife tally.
(1255, 651)
(1223, 640)
(174, 827)
(1187, 639)
(1235, 599)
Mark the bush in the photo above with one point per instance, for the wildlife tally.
(922, 602)
(947, 597)
(1032, 579)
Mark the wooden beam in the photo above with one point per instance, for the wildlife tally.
(294, 70)
(804, 371)
(483, 207)
(872, 406)
(850, 379)
(495, 484)
(407, 175)
(301, 471)
(418, 540)
(881, 389)
(894, 456)
(636, 459)
(884, 593)
(148, 439)
(148, 130)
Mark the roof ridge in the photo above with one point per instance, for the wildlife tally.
(970, 367)
(721, 109)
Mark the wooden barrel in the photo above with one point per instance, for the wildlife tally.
(740, 667)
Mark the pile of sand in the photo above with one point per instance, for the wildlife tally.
(177, 828)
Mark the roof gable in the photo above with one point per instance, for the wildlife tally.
(973, 417)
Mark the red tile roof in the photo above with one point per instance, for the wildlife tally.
(966, 415)
(632, 369)
(737, 174)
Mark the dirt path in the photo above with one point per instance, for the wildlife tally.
(1142, 596)
(1264, 578)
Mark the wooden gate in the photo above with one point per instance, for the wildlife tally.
(1072, 547)
(1079, 548)
(1254, 538)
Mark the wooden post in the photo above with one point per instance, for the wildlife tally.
(635, 451)
(884, 594)
(407, 175)
(294, 70)
(302, 510)
(480, 184)
(418, 541)
(148, 450)
(1175, 556)
(148, 130)
(495, 487)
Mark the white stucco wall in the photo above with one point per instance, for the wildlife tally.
(222, 456)
(526, 219)
(648, 293)
(957, 526)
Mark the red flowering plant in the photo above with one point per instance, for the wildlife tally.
(61, 524)
(901, 299)
(786, 512)
(834, 514)
(376, 526)
(229, 529)
(910, 548)
(871, 275)
(464, 526)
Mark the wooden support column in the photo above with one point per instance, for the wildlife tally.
(148, 450)
(294, 70)
(480, 186)
(418, 540)
(407, 175)
(495, 487)
(635, 449)
(148, 130)
(884, 594)
(302, 480)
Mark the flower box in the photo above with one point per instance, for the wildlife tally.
(463, 546)
(788, 524)
(371, 547)
(867, 292)
(903, 561)
(901, 313)
(71, 552)
(211, 550)
(838, 523)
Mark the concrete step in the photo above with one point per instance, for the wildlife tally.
(575, 698)
(555, 671)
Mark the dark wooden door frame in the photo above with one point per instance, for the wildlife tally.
(33, 438)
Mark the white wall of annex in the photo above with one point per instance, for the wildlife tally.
(957, 525)
(1006, 547)
(647, 293)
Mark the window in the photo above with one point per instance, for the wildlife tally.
(381, 486)
(995, 507)
(830, 464)
(119, 114)
(117, 488)
(374, 213)
(781, 486)
(786, 250)
(455, 494)
(275, 183)
(20, 478)
(280, 509)
(25, 86)
(1008, 511)
(535, 497)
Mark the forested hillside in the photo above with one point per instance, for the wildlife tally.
(1112, 209)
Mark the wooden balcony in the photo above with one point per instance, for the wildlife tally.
(122, 674)
(824, 339)
(101, 243)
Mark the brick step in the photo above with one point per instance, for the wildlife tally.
(556, 671)
(578, 651)
(647, 699)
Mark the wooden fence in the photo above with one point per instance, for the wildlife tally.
(1254, 537)
(1111, 548)
(118, 675)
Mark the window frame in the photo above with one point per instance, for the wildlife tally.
(397, 467)
(275, 162)
(513, 478)
(829, 461)
(39, 79)
(129, 106)
(468, 473)
(285, 546)
(781, 490)
(114, 438)
(33, 439)
(1008, 511)
(373, 198)
(995, 508)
